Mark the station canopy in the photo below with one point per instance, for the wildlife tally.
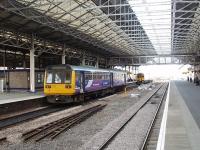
(106, 26)
(114, 27)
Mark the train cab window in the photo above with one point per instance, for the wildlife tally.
(58, 76)
(49, 77)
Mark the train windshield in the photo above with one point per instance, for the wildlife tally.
(140, 75)
(58, 76)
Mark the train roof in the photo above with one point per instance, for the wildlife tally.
(88, 68)
(81, 68)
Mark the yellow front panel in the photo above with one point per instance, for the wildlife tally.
(140, 79)
(60, 89)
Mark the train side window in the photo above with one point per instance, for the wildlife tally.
(99, 75)
(94, 76)
(103, 77)
(108, 76)
(88, 76)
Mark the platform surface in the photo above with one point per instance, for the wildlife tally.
(191, 96)
(182, 129)
(11, 97)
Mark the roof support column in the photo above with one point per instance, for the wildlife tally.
(63, 56)
(125, 68)
(97, 62)
(24, 60)
(32, 67)
(63, 59)
(83, 59)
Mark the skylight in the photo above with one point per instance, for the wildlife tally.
(155, 17)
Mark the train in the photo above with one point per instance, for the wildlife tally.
(68, 83)
(139, 78)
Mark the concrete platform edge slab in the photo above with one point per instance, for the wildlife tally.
(13, 100)
(162, 132)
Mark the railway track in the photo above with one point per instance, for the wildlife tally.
(22, 117)
(151, 138)
(16, 119)
(53, 129)
(110, 139)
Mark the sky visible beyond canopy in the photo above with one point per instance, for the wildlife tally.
(155, 17)
(172, 72)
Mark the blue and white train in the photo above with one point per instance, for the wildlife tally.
(67, 83)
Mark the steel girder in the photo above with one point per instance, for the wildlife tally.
(62, 14)
(121, 13)
(153, 60)
(16, 43)
(185, 26)
(28, 11)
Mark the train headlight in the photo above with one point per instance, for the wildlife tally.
(68, 86)
(48, 86)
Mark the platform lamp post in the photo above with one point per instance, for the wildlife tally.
(32, 66)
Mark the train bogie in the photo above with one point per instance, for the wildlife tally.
(62, 99)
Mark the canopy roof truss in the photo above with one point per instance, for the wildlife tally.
(185, 27)
(109, 25)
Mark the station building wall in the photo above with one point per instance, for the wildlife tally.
(19, 79)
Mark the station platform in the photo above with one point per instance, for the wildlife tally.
(183, 117)
(12, 97)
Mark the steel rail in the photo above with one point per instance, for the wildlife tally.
(126, 122)
(65, 125)
(20, 118)
(53, 129)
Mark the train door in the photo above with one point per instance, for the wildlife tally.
(111, 79)
(79, 81)
(82, 78)
(125, 78)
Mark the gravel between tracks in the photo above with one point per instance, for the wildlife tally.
(75, 137)
(132, 136)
